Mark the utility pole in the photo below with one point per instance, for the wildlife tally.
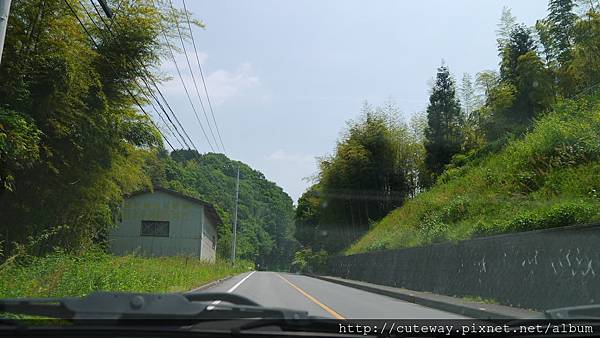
(4, 10)
(235, 216)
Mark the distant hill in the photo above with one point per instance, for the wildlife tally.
(548, 178)
(265, 216)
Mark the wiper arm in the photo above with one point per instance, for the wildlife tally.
(106, 305)
(122, 306)
(45, 307)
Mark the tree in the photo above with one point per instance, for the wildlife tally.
(519, 43)
(535, 88)
(266, 213)
(588, 6)
(584, 69)
(556, 34)
(485, 81)
(72, 140)
(505, 27)
(561, 22)
(444, 121)
(469, 98)
(373, 170)
(307, 217)
(524, 90)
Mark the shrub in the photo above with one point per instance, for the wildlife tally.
(60, 274)
(548, 178)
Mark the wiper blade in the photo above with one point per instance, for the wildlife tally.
(575, 312)
(222, 296)
(307, 324)
(123, 306)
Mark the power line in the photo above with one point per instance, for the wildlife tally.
(118, 9)
(135, 100)
(143, 77)
(174, 116)
(166, 102)
(133, 96)
(168, 118)
(107, 26)
(202, 76)
(192, 73)
(187, 93)
(167, 125)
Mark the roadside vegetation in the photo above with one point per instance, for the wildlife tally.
(549, 178)
(507, 150)
(74, 141)
(62, 274)
(265, 214)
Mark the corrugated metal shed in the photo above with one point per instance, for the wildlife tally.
(164, 222)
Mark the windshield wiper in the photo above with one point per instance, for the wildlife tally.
(308, 324)
(575, 312)
(142, 306)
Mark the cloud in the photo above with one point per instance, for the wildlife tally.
(202, 57)
(224, 84)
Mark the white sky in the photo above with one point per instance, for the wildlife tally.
(285, 76)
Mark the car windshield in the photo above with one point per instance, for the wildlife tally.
(342, 159)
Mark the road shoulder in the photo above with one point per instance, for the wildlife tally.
(446, 303)
(210, 284)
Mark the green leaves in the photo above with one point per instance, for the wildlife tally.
(265, 218)
(19, 146)
(444, 132)
(70, 137)
(373, 170)
(61, 274)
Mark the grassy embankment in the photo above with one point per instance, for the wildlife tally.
(62, 274)
(549, 178)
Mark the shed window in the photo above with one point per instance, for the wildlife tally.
(155, 228)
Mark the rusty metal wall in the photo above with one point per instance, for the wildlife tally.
(539, 269)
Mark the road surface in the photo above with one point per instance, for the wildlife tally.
(322, 298)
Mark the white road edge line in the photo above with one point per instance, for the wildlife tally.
(240, 282)
(217, 302)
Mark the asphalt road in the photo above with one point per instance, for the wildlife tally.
(322, 298)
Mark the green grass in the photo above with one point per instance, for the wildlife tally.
(61, 274)
(548, 178)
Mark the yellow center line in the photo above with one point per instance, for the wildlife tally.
(311, 298)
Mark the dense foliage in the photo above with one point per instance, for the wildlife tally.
(66, 275)
(73, 140)
(443, 135)
(265, 215)
(374, 169)
(549, 178)
(496, 158)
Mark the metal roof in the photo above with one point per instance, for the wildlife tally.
(210, 209)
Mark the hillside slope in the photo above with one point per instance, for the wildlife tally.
(549, 178)
(265, 215)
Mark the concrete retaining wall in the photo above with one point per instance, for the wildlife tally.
(538, 269)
